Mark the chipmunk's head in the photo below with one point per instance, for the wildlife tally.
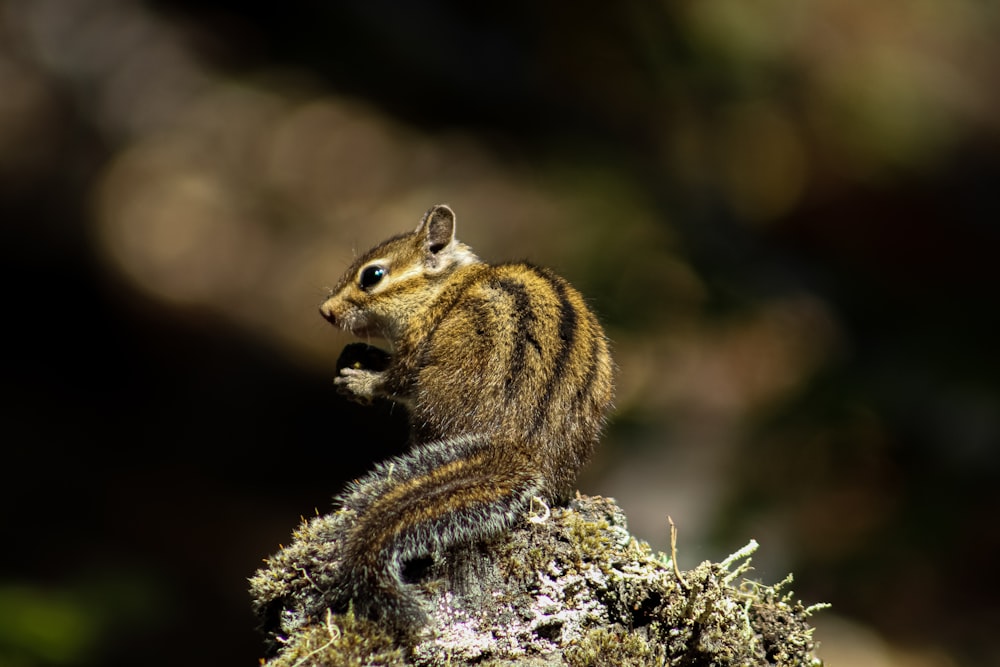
(390, 284)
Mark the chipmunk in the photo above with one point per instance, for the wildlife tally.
(507, 378)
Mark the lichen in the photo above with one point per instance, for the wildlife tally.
(569, 586)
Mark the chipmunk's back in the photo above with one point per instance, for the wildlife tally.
(512, 350)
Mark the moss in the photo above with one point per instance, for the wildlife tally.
(590, 536)
(781, 624)
(342, 640)
(613, 648)
(568, 585)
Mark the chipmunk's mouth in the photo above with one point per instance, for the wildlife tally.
(361, 356)
(356, 326)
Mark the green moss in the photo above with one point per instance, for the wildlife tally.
(343, 640)
(613, 648)
(591, 536)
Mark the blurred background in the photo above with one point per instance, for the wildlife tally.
(785, 212)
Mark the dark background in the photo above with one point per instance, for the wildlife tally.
(840, 156)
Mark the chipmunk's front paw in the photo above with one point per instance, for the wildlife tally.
(359, 384)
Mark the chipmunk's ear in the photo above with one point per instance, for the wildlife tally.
(437, 228)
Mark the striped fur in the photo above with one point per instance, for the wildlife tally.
(507, 378)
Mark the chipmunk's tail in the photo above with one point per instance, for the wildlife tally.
(440, 494)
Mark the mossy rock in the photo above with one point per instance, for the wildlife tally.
(567, 586)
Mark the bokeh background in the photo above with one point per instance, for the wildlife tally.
(784, 210)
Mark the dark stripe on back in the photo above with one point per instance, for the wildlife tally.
(568, 326)
(523, 331)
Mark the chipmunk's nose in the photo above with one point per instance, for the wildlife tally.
(328, 315)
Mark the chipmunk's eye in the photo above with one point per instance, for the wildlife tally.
(371, 276)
